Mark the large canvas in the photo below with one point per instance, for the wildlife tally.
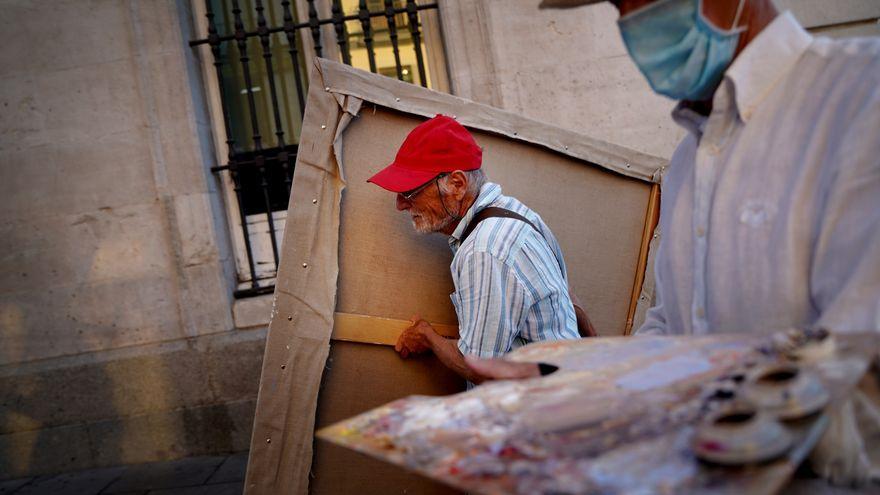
(353, 270)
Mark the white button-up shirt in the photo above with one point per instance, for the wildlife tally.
(770, 214)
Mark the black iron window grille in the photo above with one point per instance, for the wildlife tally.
(260, 51)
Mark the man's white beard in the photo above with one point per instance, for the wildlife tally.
(422, 226)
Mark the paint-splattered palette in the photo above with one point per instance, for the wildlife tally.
(619, 417)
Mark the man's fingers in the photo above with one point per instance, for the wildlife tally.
(498, 369)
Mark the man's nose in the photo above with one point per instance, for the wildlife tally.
(402, 203)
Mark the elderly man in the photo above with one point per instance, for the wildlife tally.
(510, 279)
(771, 205)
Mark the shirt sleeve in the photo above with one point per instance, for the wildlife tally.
(845, 273)
(491, 304)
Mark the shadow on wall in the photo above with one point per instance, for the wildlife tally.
(170, 401)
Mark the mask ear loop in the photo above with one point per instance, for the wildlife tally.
(739, 11)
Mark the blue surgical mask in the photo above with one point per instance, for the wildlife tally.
(681, 53)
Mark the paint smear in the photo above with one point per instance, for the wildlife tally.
(664, 373)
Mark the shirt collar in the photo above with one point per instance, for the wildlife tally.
(766, 60)
(757, 69)
(488, 194)
(688, 118)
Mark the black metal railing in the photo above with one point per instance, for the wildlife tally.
(374, 32)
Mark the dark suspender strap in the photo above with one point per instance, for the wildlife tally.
(496, 212)
(585, 328)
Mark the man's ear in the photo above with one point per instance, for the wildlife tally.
(458, 184)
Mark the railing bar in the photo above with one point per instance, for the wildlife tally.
(367, 27)
(279, 133)
(392, 32)
(290, 31)
(242, 164)
(260, 160)
(284, 158)
(244, 59)
(413, 16)
(320, 22)
(236, 186)
(218, 65)
(315, 26)
(230, 141)
(270, 72)
(341, 34)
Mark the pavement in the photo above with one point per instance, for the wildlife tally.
(205, 475)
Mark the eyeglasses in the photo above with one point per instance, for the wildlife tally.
(409, 195)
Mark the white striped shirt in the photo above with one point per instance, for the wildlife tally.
(771, 207)
(511, 285)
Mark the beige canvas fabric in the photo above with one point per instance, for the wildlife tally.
(346, 250)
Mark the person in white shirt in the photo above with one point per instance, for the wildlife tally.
(770, 215)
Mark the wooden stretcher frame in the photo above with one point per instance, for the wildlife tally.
(305, 316)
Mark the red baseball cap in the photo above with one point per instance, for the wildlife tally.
(433, 147)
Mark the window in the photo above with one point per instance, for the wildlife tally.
(258, 59)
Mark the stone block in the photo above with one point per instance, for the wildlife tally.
(252, 311)
(176, 474)
(234, 488)
(195, 222)
(217, 428)
(81, 35)
(156, 379)
(166, 87)
(100, 245)
(51, 450)
(160, 26)
(69, 178)
(242, 414)
(187, 165)
(89, 482)
(155, 382)
(10, 486)
(157, 436)
(570, 35)
(74, 319)
(82, 104)
(235, 369)
(206, 300)
(590, 85)
(233, 469)
(605, 99)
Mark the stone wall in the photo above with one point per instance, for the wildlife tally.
(570, 68)
(112, 235)
(115, 266)
(150, 403)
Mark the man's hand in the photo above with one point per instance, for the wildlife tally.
(414, 340)
(499, 369)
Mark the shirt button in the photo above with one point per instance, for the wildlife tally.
(701, 313)
(701, 231)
